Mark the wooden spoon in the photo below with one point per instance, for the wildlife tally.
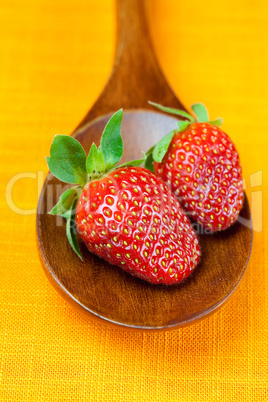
(106, 291)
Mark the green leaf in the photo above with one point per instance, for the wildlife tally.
(66, 201)
(71, 229)
(162, 147)
(217, 122)
(150, 151)
(136, 162)
(111, 140)
(95, 162)
(149, 162)
(200, 111)
(183, 125)
(170, 110)
(67, 160)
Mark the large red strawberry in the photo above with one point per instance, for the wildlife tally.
(201, 165)
(124, 214)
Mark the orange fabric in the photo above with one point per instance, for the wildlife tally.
(55, 59)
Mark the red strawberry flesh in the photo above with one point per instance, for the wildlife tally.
(202, 168)
(130, 218)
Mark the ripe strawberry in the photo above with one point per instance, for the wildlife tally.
(124, 214)
(201, 165)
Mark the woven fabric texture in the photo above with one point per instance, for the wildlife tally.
(55, 58)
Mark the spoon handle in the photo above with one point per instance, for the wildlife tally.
(134, 53)
(136, 76)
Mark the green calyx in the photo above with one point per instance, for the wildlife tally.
(158, 151)
(69, 163)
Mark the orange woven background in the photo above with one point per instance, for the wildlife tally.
(55, 57)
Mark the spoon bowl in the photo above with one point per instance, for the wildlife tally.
(106, 291)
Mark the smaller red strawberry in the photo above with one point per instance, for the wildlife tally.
(124, 214)
(201, 165)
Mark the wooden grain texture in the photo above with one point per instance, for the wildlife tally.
(102, 289)
(136, 76)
